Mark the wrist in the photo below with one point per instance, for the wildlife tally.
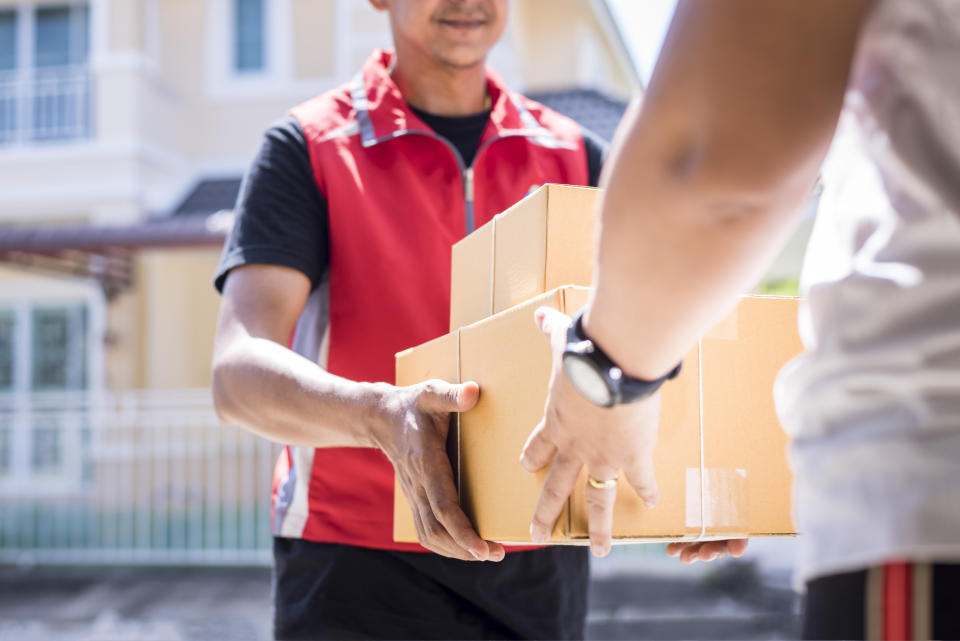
(619, 339)
(374, 423)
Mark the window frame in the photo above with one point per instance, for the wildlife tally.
(26, 76)
(25, 405)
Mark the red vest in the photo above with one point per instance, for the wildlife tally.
(399, 197)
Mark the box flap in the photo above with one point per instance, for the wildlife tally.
(571, 214)
(471, 277)
(520, 252)
(510, 359)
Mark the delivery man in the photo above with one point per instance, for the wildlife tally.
(741, 109)
(339, 258)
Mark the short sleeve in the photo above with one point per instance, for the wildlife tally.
(280, 215)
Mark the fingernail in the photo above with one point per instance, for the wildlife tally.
(600, 550)
(714, 556)
(650, 504)
(524, 464)
(537, 535)
(475, 555)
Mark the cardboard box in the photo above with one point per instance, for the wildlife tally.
(542, 242)
(721, 455)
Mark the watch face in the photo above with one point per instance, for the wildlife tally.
(587, 380)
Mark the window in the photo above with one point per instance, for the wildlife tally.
(6, 349)
(249, 36)
(45, 85)
(5, 447)
(8, 65)
(59, 335)
(44, 361)
(45, 449)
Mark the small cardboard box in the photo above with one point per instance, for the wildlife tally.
(720, 458)
(542, 242)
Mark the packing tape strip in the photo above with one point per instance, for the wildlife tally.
(703, 487)
(727, 504)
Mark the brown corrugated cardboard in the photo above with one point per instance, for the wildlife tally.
(471, 277)
(741, 357)
(542, 242)
(732, 482)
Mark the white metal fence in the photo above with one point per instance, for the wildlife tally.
(45, 104)
(130, 477)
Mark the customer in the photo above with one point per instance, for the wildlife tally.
(703, 189)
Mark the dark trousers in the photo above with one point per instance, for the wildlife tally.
(892, 601)
(328, 591)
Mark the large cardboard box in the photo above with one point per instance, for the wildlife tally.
(542, 242)
(720, 458)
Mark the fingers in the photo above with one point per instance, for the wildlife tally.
(691, 552)
(556, 489)
(552, 323)
(737, 547)
(538, 450)
(430, 533)
(641, 478)
(442, 498)
(600, 510)
(440, 396)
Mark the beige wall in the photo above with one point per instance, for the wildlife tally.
(561, 44)
(125, 342)
(127, 25)
(180, 309)
(314, 32)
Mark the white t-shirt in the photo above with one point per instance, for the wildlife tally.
(874, 403)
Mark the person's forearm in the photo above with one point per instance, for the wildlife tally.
(706, 180)
(673, 254)
(265, 387)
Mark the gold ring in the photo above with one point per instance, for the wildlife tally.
(602, 485)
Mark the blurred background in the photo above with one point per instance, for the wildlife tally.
(126, 509)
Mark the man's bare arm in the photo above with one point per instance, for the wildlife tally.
(705, 179)
(260, 384)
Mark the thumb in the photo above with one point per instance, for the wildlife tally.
(442, 396)
(550, 320)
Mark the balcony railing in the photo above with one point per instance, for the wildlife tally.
(130, 477)
(45, 104)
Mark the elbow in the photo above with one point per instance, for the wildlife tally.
(727, 186)
(223, 401)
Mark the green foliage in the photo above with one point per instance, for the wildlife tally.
(785, 287)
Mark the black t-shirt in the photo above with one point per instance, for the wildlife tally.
(281, 217)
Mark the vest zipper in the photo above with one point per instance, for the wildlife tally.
(468, 198)
(466, 173)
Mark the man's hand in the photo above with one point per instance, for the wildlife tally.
(412, 432)
(574, 432)
(707, 550)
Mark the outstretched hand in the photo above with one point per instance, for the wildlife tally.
(575, 433)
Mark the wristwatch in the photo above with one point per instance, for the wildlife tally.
(597, 377)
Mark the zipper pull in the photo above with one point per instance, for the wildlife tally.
(468, 184)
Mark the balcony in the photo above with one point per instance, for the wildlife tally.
(45, 105)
